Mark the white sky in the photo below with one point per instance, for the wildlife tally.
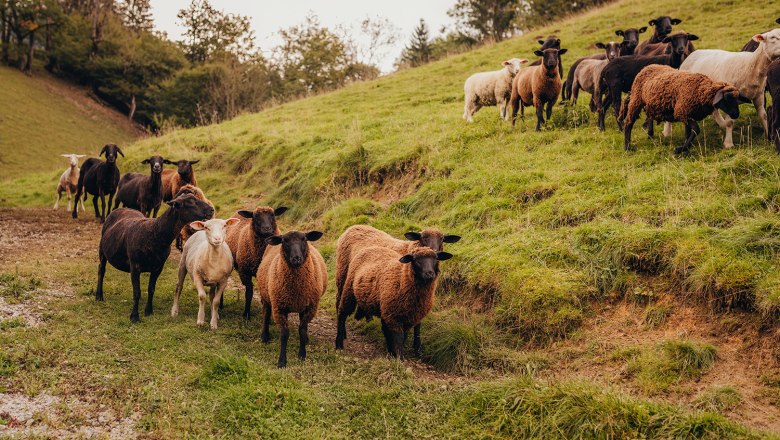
(270, 16)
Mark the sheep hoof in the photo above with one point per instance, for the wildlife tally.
(264, 338)
(174, 313)
(302, 356)
(281, 364)
(213, 326)
(684, 151)
(201, 323)
(135, 318)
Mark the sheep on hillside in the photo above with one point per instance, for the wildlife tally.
(538, 86)
(174, 180)
(99, 179)
(69, 180)
(588, 73)
(490, 88)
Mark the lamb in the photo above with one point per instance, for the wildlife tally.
(668, 94)
(207, 258)
(174, 180)
(399, 288)
(747, 71)
(588, 73)
(537, 86)
(141, 192)
(69, 180)
(618, 76)
(247, 244)
(359, 237)
(550, 43)
(490, 88)
(291, 279)
(99, 179)
(135, 244)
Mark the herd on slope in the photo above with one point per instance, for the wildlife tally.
(674, 94)
(377, 274)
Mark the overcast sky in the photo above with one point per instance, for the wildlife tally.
(270, 16)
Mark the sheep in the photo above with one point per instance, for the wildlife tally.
(752, 45)
(247, 244)
(627, 46)
(773, 81)
(618, 76)
(174, 180)
(292, 278)
(550, 43)
(99, 179)
(747, 71)
(207, 258)
(537, 86)
(663, 27)
(187, 231)
(490, 88)
(141, 192)
(69, 180)
(588, 73)
(668, 94)
(135, 244)
(399, 288)
(361, 236)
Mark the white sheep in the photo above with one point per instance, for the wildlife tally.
(207, 258)
(747, 71)
(69, 180)
(491, 88)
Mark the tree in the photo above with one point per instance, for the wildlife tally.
(418, 51)
(136, 14)
(539, 12)
(379, 35)
(211, 34)
(491, 20)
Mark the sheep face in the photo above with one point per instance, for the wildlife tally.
(550, 59)
(771, 41)
(263, 219)
(155, 164)
(727, 100)
(612, 49)
(679, 43)
(189, 209)
(215, 229)
(295, 245)
(630, 39)
(663, 25)
(513, 65)
(431, 238)
(425, 263)
(73, 159)
(111, 151)
(184, 167)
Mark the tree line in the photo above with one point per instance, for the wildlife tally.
(216, 71)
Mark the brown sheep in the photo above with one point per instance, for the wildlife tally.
(398, 288)
(187, 231)
(291, 279)
(247, 244)
(670, 95)
(537, 86)
(174, 180)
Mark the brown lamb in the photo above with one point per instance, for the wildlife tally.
(292, 278)
(671, 95)
(400, 289)
(537, 86)
(173, 180)
(247, 244)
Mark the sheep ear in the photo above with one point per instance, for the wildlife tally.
(507, 63)
(441, 256)
(619, 33)
(105, 147)
(193, 162)
(539, 53)
(744, 100)
(65, 155)
(777, 21)
(173, 203)
(246, 214)
(408, 258)
(692, 37)
(642, 30)
(540, 42)
(119, 150)
(666, 40)
(718, 97)
(198, 226)
(81, 155)
(412, 236)
(451, 238)
(274, 240)
(280, 210)
(232, 221)
(651, 22)
(313, 235)
(758, 38)
(168, 162)
(676, 21)
(601, 45)
(145, 161)
(523, 61)
(562, 51)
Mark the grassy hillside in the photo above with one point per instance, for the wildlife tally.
(43, 117)
(556, 227)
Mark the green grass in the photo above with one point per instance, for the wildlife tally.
(656, 369)
(44, 117)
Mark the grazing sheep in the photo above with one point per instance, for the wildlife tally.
(291, 279)
(99, 179)
(141, 192)
(490, 88)
(537, 86)
(69, 180)
(588, 73)
(747, 71)
(550, 43)
(136, 244)
(773, 81)
(618, 76)
(174, 180)
(247, 244)
(667, 94)
(752, 45)
(627, 46)
(207, 258)
(187, 231)
(399, 288)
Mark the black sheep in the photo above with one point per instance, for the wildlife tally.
(99, 179)
(136, 244)
(141, 192)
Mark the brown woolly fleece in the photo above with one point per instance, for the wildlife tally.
(292, 290)
(671, 95)
(172, 183)
(534, 88)
(359, 237)
(247, 246)
(383, 286)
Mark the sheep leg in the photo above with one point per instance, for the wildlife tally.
(650, 128)
(216, 293)
(75, 212)
(77, 201)
(57, 202)
(575, 93)
(303, 333)
(603, 107)
(135, 279)
(515, 102)
(101, 274)
(179, 285)
(399, 340)
(389, 340)
(249, 292)
(725, 122)
(201, 301)
(102, 215)
(691, 131)
(284, 331)
(265, 336)
(68, 193)
(539, 116)
(156, 210)
(549, 109)
(94, 205)
(667, 129)
(417, 342)
(110, 199)
(633, 109)
(616, 106)
(152, 283)
(346, 308)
